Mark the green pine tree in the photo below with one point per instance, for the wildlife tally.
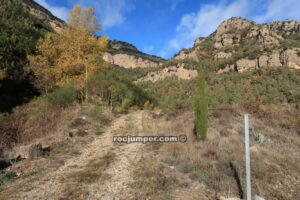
(201, 107)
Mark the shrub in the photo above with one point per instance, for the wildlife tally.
(201, 107)
(7, 176)
(62, 96)
(117, 89)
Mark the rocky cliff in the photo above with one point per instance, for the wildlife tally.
(128, 56)
(179, 71)
(241, 45)
(43, 14)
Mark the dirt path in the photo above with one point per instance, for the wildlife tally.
(116, 186)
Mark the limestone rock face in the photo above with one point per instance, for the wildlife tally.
(267, 37)
(128, 56)
(198, 41)
(274, 59)
(187, 55)
(228, 68)
(227, 40)
(245, 65)
(234, 39)
(277, 58)
(177, 71)
(263, 60)
(288, 26)
(292, 58)
(231, 24)
(119, 45)
(128, 61)
(222, 55)
(47, 18)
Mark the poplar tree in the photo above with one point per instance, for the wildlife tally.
(64, 56)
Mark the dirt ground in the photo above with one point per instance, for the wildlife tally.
(94, 167)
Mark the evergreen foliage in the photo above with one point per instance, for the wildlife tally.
(200, 105)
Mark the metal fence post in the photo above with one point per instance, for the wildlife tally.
(247, 147)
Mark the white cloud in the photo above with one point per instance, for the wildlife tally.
(209, 16)
(205, 21)
(279, 10)
(60, 12)
(110, 12)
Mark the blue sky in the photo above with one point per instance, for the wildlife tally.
(163, 27)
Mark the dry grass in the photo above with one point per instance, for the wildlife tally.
(78, 181)
(219, 161)
(151, 182)
(93, 170)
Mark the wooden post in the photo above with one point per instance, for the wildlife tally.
(247, 147)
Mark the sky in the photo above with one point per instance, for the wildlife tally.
(163, 27)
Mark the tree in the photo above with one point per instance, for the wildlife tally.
(67, 55)
(201, 107)
(83, 17)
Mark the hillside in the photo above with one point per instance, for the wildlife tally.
(128, 56)
(72, 142)
(22, 23)
(241, 45)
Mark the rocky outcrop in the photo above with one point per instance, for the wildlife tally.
(222, 55)
(126, 55)
(184, 54)
(232, 24)
(120, 45)
(287, 26)
(199, 41)
(245, 65)
(234, 39)
(44, 15)
(128, 61)
(289, 58)
(173, 71)
(227, 40)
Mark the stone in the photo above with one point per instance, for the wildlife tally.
(233, 23)
(245, 65)
(274, 59)
(263, 60)
(198, 41)
(222, 55)
(292, 58)
(128, 61)
(183, 54)
(177, 71)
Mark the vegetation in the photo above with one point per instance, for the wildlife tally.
(116, 89)
(201, 107)
(19, 33)
(71, 54)
(63, 96)
(265, 87)
(172, 94)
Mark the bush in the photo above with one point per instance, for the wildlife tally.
(117, 89)
(62, 96)
(201, 107)
(7, 176)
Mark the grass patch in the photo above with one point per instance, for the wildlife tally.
(7, 176)
(94, 169)
(151, 181)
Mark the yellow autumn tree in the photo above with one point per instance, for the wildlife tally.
(71, 53)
